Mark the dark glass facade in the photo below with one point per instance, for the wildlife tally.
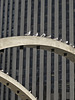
(47, 75)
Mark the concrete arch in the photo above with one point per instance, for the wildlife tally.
(39, 42)
(11, 83)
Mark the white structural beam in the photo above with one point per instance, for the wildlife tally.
(15, 86)
(44, 43)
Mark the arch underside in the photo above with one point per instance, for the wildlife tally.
(39, 43)
(15, 86)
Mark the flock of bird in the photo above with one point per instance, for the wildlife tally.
(3, 71)
(44, 35)
(29, 33)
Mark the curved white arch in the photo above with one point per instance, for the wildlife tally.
(11, 83)
(44, 43)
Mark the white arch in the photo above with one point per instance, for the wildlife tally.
(44, 43)
(11, 83)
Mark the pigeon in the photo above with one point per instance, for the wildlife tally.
(43, 35)
(73, 46)
(55, 38)
(29, 33)
(61, 40)
(49, 36)
(36, 34)
(2, 70)
(30, 91)
(7, 73)
(66, 42)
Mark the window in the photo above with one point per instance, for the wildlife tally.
(19, 17)
(3, 20)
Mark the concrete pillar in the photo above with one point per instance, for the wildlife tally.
(27, 68)
(63, 59)
(56, 56)
(35, 15)
(49, 18)
(41, 53)
(48, 94)
(22, 17)
(20, 67)
(34, 73)
(28, 49)
(71, 34)
(34, 50)
(41, 75)
(5, 25)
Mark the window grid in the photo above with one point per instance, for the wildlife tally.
(60, 57)
(3, 20)
(52, 54)
(45, 16)
(67, 38)
(37, 73)
(19, 17)
(17, 63)
(13, 15)
(24, 66)
(8, 10)
(30, 69)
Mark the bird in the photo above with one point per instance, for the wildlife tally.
(30, 91)
(56, 38)
(2, 70)
(61, 40)
(36, 34)
(28, 33)
(49, 36)
(7, 73)
(73, 46)
(43, 35)
(66, 42)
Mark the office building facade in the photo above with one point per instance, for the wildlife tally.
(47, 75)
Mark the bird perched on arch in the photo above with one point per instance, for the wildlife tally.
(36, 34)
(43, 35)
(2, 70)
(7, 73)
(66, 42)
(49, 36)
(56, 38)
(28, 33)
(61, 40)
